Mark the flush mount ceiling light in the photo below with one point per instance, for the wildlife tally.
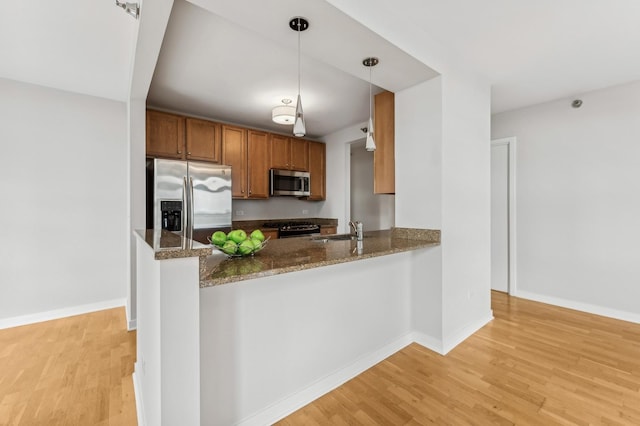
(132, 9)
(284, 114)
(299, 24)
(370, 145)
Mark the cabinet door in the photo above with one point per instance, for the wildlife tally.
(203, 140)
(234, 154)
(272, 234)
(328, 230)
(317, 170)
(258, 155)
(280, 152)
(384, 163)
(165, 135)
(299, 155)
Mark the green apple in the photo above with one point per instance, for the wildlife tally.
(246, 247)
(238, 236)
(258, 235)
(230, 247)
(257, 244)
(219, 238)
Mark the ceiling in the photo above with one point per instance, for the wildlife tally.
(219, 61)
(236, 68)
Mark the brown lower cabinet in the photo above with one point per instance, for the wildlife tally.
(328, 230)
(247, 152)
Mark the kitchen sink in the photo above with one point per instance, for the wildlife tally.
(334, 237)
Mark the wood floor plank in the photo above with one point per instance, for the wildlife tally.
(534, 364)
(71, 371)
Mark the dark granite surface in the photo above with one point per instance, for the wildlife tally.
(286, 255)
(295, 254)
(168, 245)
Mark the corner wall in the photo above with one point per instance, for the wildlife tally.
(578, 180)
(63, 181)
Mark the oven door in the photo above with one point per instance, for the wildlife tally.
(288, 182)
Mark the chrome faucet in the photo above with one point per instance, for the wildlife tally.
(356, 229)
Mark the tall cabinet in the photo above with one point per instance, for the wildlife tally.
(384, 173)
(247, 152)
(317, 171)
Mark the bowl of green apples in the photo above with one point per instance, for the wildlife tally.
(237, 243)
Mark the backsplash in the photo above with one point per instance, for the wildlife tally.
(275, 208)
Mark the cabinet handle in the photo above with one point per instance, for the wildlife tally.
(188, 153)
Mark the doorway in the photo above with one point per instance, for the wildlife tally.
(503, 242)
(375, 211)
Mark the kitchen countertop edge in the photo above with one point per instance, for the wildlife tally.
(414, 239)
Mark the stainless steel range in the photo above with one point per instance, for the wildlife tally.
(294, 229)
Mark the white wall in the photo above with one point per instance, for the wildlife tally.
(578, 203)
(443, 182)
(466, 205)
(276, 208)
(375, 211)
(63, 185)
(271, 345)
(338, 170)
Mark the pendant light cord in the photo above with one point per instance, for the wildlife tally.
(299, 55)
(370, 98)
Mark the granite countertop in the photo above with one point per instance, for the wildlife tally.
(295, 254)
(168, 245)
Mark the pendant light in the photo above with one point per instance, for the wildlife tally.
(370, 145)
(284, 114)
(299, 24)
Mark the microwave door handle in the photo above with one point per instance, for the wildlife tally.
(301, 183)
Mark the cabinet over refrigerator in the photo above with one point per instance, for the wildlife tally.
(188, 197)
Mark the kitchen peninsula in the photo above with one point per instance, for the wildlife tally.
(246, 341)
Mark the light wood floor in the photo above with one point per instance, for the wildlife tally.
(534, 364)
(71, 371)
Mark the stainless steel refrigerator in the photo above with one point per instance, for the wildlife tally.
(190, 198)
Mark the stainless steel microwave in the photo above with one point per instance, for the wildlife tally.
(289, 182)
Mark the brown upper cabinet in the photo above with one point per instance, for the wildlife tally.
(289, 153)
(258, 154)
(165, 135)
(184, 138)
(203, 140)
(247, 152)
(384, 173)
(317, 171)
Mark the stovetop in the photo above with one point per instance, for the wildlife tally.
(286, 226)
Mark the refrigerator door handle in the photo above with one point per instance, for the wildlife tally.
(185, 219)
(191, 212)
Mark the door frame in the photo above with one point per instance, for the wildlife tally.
(511, 144)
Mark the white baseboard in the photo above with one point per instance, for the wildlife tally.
(298, 400)
(427, 341)
(131, 323)
(60, 313)
(458, 337)
(137, 389)
(579, 306)
(463, 333)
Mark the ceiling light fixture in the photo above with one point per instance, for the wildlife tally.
(370, 145)
(284, 114)
(299, 24)
(132, 9)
